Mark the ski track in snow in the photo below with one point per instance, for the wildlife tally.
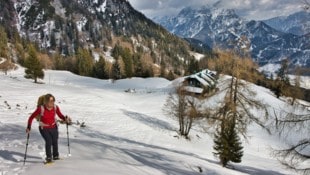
(125, 133)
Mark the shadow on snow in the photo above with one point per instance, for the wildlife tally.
(153, 158)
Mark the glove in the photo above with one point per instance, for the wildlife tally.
(28, 129)
(68, 120)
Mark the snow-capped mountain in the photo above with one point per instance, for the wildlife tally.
(64, 26)
(297, 23)
(224, 28)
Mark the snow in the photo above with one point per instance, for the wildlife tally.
(304, 81)
(2, 60)
(273, 68)
(102, 6)
(81, 23)
(198, 56)
(125, 133)
(96, 56)
(270, 67)
(108, 55)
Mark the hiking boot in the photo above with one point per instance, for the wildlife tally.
(48, 160)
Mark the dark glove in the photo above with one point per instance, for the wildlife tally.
(28, 129)
(68, 120)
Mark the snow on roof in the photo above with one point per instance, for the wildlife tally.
(205, 77)
(201, 80)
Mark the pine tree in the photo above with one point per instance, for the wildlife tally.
(162, 69)
(53, 41)
(227, 143)
(116, 70)
(170, 76)
(34, 69)
(283, 71)
(127, 59)
(84, 62)
(282, 83)
(138, 65)
(100, 69)
(193, 66)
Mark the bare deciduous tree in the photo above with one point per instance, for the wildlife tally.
(6, 66)
(184, 108)
(297, 155)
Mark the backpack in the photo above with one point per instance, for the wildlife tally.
(41, 103)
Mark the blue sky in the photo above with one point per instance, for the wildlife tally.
(250, 9)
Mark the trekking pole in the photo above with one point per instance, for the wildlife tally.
(26, 148)
(69, 154)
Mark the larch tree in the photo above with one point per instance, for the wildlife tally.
(3, 43)
(238, 103)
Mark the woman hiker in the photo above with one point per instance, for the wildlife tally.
(46, 115)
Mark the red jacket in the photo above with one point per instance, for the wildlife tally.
(48, 118)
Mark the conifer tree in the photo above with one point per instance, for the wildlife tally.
(34, 69)
(234, 115)
(100, 69)
(138, 65)
(162, 69)
(84, 62)
(227, 143)
(282, 82)
(116, 70)
(127, 59)
(283, 71)
(170, 76)
(193, 66)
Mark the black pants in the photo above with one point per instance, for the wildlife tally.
(50, 136)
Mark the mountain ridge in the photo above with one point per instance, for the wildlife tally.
(297, 23)
(223, 28)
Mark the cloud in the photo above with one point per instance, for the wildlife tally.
(154, 8)
(250, 9)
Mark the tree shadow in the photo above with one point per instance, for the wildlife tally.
(161, 161)
(143, 158)
(149, 121)
(255, 171)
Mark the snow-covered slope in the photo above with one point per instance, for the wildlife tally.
(126, 133)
